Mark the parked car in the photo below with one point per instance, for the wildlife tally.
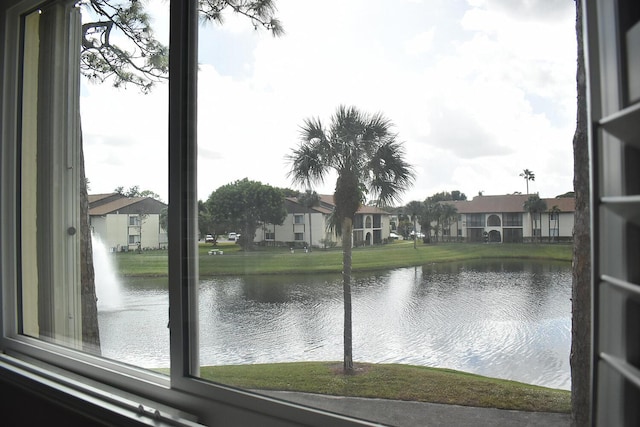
(208, 238)
(232, 236)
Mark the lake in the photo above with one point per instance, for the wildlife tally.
(508, 319)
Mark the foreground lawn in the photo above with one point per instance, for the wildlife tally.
(392, 381)
(282, 261)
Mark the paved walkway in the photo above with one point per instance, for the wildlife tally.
(413, 414)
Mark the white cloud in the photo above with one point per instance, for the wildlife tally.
(421, 43)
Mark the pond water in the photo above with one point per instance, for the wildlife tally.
(508, 320)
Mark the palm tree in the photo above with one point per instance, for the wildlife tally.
(309, 199)
(449, 213)
(368, 160)
(414, 209)
(535, 206)
(528, 176)
(554, 213)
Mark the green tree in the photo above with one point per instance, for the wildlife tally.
(120, 46)
(244, 205)
(446, 196)
(528, 176)
(414, 210)
(368, 160)
(164, 219)
(535, 206)
(309, 199)
(554, 213)
(134, 191)
(449, 215)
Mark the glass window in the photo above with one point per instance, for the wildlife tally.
(95, 141)
(512, 219)
(94, 136)
(475, 220)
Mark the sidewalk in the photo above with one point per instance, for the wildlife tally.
(412, 414)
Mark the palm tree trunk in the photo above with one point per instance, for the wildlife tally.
(347, 241)
(415, 234)
(310, 235)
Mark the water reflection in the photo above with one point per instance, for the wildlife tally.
(502, 319)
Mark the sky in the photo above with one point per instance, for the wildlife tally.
(478, 91)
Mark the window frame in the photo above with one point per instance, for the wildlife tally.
(180, 397)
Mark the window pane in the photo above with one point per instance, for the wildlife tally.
(94, 179)
(255, 93)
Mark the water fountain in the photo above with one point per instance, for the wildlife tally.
(108, 286)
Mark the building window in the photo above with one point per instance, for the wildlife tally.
(298, 219)
(134, 238)
(134, 221)
(299, 237)
(475, 220)
(269, 235)
(367, 222)
(513, 219)
(493, 221)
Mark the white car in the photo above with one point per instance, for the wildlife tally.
(232, 236)
(208, 238)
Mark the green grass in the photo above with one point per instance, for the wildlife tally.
(281, 261)
(393, 381)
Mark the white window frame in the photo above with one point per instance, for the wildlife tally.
(115, 389)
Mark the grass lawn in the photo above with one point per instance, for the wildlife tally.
(393, 381)
(282, 261)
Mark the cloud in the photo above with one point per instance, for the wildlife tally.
(421, 43)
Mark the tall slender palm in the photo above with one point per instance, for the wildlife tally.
(535, 206)
(368, 160)
(309, 199)
(554, 213)
(528, 176)
(449, 213)
(414, 209)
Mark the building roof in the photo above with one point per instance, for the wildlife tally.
(327, 205)
(509, 203)
(103, 204)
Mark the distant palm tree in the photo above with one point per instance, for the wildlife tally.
(309, 199)
(528, 176)
(535, 206)
(415, 210)
(368, 159)
(449, 213)
(554, 212)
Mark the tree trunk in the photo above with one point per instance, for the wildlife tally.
(310, 235)
(90, 330)
(347, 241)
(415, 234)
(581, 280)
